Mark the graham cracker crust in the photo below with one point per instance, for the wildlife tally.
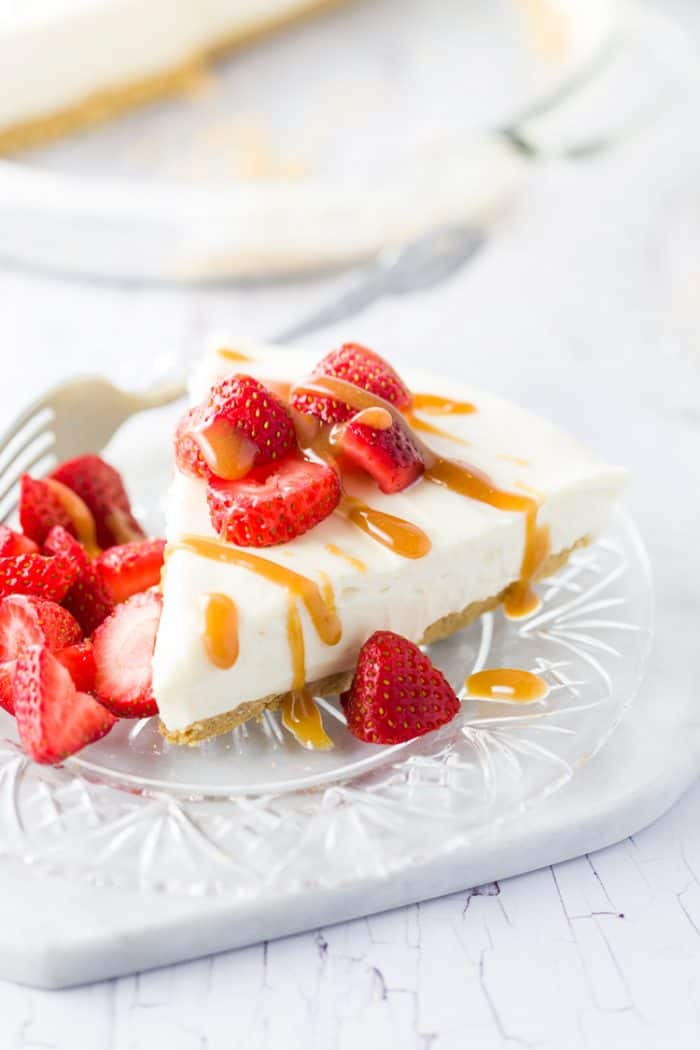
(110, 102)
(336, 683)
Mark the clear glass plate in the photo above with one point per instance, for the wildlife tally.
(255, 807)
(324, 144)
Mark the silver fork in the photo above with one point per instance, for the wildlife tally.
(82, 414)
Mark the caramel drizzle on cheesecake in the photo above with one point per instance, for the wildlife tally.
(233, 355)
(338, 552)
(398, 535)
(437, 405)
(324, 620)
(220, 633)
(226, 450)
(464, 479)
(295, 635)
(301, 716)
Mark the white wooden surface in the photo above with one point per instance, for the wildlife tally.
(586, 306)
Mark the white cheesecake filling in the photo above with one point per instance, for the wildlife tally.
(477, 550)
(56, 53)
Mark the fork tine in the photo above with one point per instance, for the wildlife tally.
(30, 456)
(38, 425)
(36, 408)
(9, 505)
(10, 502)
(41, 465)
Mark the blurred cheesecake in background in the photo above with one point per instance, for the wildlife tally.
(68, 64)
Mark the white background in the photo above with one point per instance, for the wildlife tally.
(585, 306)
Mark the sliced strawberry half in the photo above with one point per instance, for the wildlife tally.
(188, 452)
(12, 543)
(44, 577)
(397, 694)
(123, 651)
(7, 671)
(79, 661)
(357, 365)
(249, 406)
(40, 508)
(54, 719)
(242, 425)
(130, 568)
(391, 456)
(102, 490)
(33, 621)
(273, 504)
(26, 621)
(86, 598)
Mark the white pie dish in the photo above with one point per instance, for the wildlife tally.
(175, 192)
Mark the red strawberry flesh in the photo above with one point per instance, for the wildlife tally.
(7, 671)
(87, 598)
(391, 456)
(123, 651)
(40, 508)
(273, 504)
(397, 694)
(54, 719)
(80, 664)
(363, 368)
(43, 577)
(102, 490)
(249, 406)
(188, 453)
(242, 425)
(33, 621)
(130, 568)
(26, 621)
(12, 543)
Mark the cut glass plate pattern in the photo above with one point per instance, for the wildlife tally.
(255, 808)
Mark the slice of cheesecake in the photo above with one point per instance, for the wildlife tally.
(504, 497)
(67, 64)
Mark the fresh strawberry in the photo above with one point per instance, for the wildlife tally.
(34, 574)
(40, 508)
(7, 671)
(396, 694)
(102, 490)
(240, 412)
(361, 367)
(12, 543)
(33, 621)
(87, 598)
(130, 568)
(123, 650)
(188, 453)
(54, 719)
(255, 411)
(391, 456)
(273, 504)
(62, 543)
(80, 663)
(26, 621)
